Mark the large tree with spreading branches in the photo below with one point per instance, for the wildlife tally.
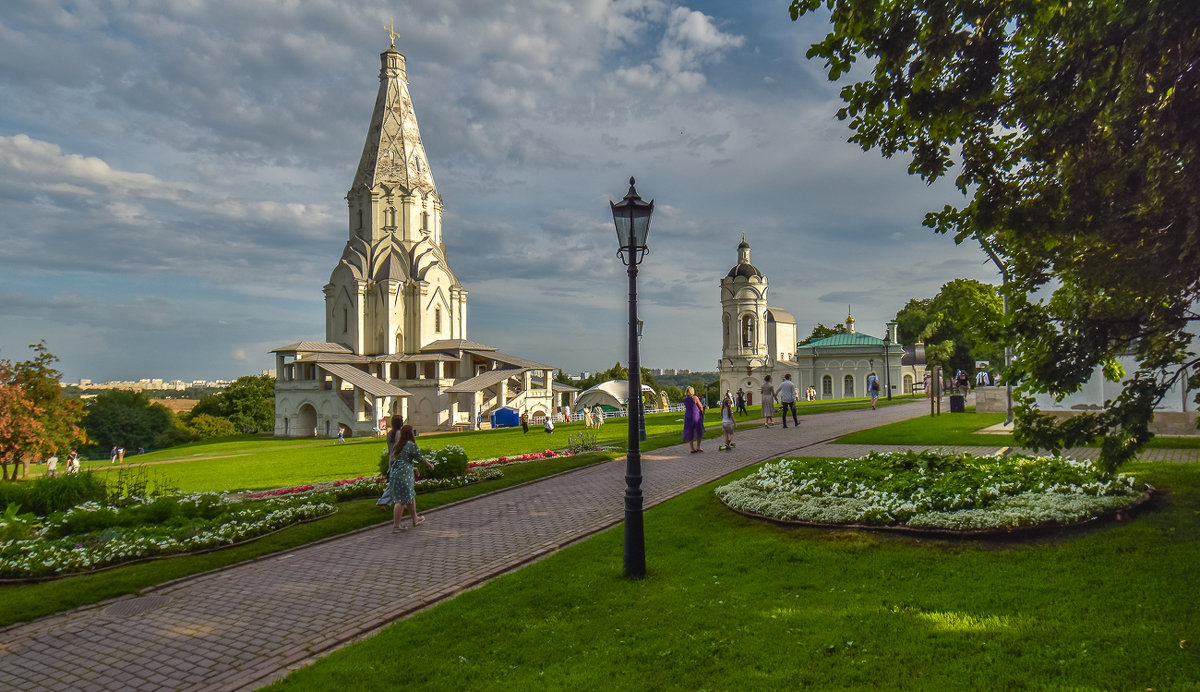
(1072, 129)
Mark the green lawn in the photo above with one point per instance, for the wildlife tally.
(254, 463)
(731, 603)
(950, 429)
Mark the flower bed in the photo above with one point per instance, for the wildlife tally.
(368, 486)
(91, 536)
(932, 491)
(532, 456)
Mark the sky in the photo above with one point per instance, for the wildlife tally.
(173, 175)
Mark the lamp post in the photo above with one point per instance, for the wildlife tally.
(641, 402)
(631, 216)
(887, 369)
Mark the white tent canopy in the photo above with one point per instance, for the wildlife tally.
(613, 393)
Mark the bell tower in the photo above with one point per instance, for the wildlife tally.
(744, 351)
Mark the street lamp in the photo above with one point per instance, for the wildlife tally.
(887, 346)
(631, 216)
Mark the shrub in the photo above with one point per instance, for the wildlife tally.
(448, 462)
(49, 494)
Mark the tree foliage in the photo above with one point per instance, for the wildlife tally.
(1072, 130)
(124, 418)
(35, 420)
(248, 402)
(959, 326)
(616, 372)
(821, 332)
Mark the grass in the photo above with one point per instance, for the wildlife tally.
(949, 429)
(731, 603)
(256, 463)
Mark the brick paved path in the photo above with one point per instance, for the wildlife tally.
(244, 626)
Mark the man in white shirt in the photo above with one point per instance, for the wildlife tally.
(787, 397)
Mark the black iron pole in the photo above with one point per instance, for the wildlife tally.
(635, 541)
(887, 367)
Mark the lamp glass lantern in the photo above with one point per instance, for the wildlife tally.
(631, 216)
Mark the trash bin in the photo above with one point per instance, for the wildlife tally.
(958, 403)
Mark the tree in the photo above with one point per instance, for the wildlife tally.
(959, 325)
(248, 402)
(821, 332)
(1071, 129)
(35, 420)
(124, 418)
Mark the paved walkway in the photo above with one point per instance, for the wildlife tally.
(242, 627)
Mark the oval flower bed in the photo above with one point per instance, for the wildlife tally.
(932, 491)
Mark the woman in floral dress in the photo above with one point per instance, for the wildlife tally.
(400, 491)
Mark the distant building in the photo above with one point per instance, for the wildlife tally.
(395, 314)
(759, 340)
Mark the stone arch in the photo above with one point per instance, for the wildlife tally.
(306, 420)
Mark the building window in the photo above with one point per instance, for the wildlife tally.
(747, 331)
(437, 320)
(345, 320)
(827, 386)
(908, 384)
(725, 332)
(848, 386)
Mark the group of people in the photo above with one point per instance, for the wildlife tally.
(786, 396)
(72, 463)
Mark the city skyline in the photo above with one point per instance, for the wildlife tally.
(173, 177)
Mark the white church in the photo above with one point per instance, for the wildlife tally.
(759, 340)
(395, 314)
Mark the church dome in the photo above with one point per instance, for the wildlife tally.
(743, 269)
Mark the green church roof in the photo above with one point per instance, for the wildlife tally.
(845, 341)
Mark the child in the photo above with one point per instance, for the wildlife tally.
(549, 423)
(727, 422)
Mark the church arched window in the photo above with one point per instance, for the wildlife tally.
(908, 384)
(747, 331)
(437, 320)
(725, 331)
(345, 320)
(848, 386)
(399, 342)
(827, 386)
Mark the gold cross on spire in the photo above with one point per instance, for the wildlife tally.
(391, 31)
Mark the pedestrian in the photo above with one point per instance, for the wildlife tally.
(928, 385)
(727, 423)
(52, 465)
(741, 402)
(961, 381)
(768, 401)
(873, 388)
(341, 435)
(73, 462)
(812, 393)
(400, 492)
(587, 417)
(598, 415)
(525, 421)
(693, 420)
(120, 455)
(983, 379)
(787, 399)
(549, 424)
(112, 455)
